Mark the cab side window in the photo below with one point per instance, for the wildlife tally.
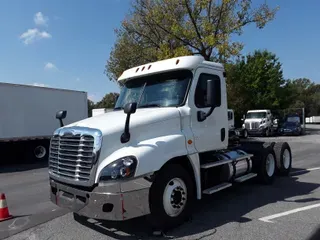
(201, 90)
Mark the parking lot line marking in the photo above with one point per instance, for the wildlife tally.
(306, 170)
(268, 218)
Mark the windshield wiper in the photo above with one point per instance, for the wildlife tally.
(149, 105)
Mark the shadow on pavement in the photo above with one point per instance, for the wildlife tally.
(230, 205)
(315, 235)
(10, 168)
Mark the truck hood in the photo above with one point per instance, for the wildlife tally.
(254, 120)
(112, 122)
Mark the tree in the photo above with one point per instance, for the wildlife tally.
(108, 101)
(305, 94)
(255, 81)
(156, 30)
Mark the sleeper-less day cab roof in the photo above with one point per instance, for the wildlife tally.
(262, 110)
(185, 62)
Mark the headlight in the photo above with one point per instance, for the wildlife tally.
(120, 169)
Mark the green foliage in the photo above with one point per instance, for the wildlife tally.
(255, 81)
(156, 30)
(108, 101)
(304, 93)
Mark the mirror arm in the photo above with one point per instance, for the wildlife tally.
(203, 116)
(125, 136)
(61, 122)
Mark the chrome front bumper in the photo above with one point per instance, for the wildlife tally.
(114, 201)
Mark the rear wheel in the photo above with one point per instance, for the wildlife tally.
(264, 164)
(37, 151)
(284, 158)
(171, 197)
(267, 132)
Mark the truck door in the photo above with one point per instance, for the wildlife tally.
(211, 134)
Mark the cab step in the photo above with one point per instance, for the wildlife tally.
(245, 177)
(217, 188)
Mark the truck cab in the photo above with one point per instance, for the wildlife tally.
(164, 145)
(258, 122)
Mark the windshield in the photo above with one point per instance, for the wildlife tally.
(256, 115)
(293, 119)
(159, 90)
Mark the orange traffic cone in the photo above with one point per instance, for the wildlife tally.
(4, 211)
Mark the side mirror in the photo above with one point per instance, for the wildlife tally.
(210, 93)
(61, 115)
(130, 108)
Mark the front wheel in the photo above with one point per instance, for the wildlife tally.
(245, 133)
(267, 132)
(171, 197)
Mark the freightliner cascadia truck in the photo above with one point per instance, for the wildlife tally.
(163, 146)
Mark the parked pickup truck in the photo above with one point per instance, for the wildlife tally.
(163, 146)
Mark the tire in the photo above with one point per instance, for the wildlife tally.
(38, 151)
(171, 184)
(245, 134)
(267, 132)
(284, 158)
(264, 164)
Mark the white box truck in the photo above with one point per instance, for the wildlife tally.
(165, 145)
(28, 118)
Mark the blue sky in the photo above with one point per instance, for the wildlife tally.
(65, 44)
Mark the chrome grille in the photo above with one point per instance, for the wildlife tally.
(73, 153)
(252, 125)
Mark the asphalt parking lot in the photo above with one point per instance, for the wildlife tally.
(288, 209)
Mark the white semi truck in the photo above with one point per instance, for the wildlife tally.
(28, 119)
(259, 122)
(165, 145)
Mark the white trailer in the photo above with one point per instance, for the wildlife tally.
(28, 118)
(165, 145)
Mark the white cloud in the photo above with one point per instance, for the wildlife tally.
(39, 85)
(40, 19)
(32, 35)
(92, 97)
(50, 66)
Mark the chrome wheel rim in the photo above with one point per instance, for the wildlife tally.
(286, 158)
(175, 197)
(270, 165)
(40, 151)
